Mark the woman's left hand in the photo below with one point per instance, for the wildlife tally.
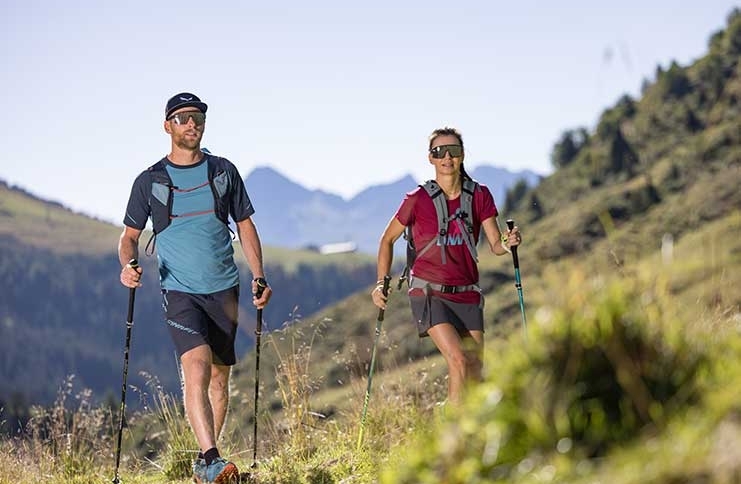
(513, 237)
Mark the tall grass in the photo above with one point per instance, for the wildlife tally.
(295, 385)
(66, 442)
(169, 435)
(620, 381)
(309, 447)
(75, 444)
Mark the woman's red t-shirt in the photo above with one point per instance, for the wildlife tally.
(460, 269)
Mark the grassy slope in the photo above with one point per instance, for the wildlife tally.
(42, 224)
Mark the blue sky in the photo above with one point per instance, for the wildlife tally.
(337, 95)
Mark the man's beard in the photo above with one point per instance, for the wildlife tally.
(188, 143)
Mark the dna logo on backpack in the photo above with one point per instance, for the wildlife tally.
(454, 236)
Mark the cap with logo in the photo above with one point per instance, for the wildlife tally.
(184, 100)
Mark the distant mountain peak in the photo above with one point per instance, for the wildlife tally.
(290, 215)
(267, 173)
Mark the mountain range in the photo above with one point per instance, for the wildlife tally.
(292, 216)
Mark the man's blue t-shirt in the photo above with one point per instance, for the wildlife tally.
(195, 252)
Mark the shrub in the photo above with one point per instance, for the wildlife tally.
(613, 363)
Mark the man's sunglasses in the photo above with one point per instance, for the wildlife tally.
(182, 119)
(454, 150)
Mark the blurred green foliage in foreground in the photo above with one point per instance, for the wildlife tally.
(611, 386)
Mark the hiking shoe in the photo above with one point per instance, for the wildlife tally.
(222, 471)
(199, 471)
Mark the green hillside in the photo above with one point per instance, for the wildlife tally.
(47, 225)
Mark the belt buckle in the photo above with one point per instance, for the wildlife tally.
(446, 289)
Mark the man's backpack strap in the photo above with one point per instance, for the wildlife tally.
(160, 196)
(160, 201)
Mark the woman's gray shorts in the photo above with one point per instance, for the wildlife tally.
(431, 310)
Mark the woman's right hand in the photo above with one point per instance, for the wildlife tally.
(378, 298)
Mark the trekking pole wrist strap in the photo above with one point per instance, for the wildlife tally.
(504, 240)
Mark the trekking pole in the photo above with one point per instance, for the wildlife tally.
(385, 290)
(518, 282)
(129, 324)
(261, 285)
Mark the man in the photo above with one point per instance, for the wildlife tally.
(189, 195)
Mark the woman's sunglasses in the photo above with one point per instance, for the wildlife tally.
(454, 150)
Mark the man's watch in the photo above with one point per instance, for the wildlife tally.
(260, 281)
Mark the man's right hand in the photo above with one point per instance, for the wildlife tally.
(131, 276)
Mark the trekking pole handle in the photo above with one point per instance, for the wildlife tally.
(261, 285)
(510, 226)
(385, 292)
(134, 264)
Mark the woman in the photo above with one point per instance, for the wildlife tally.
(446, 301)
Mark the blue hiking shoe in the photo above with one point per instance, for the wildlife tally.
(199, 470)
(221, 471)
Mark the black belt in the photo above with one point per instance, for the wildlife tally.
(417, 283)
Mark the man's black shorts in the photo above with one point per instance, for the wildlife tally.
(197, 319)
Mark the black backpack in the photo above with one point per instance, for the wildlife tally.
(160, 195)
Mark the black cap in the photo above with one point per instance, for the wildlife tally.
(184, 100)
